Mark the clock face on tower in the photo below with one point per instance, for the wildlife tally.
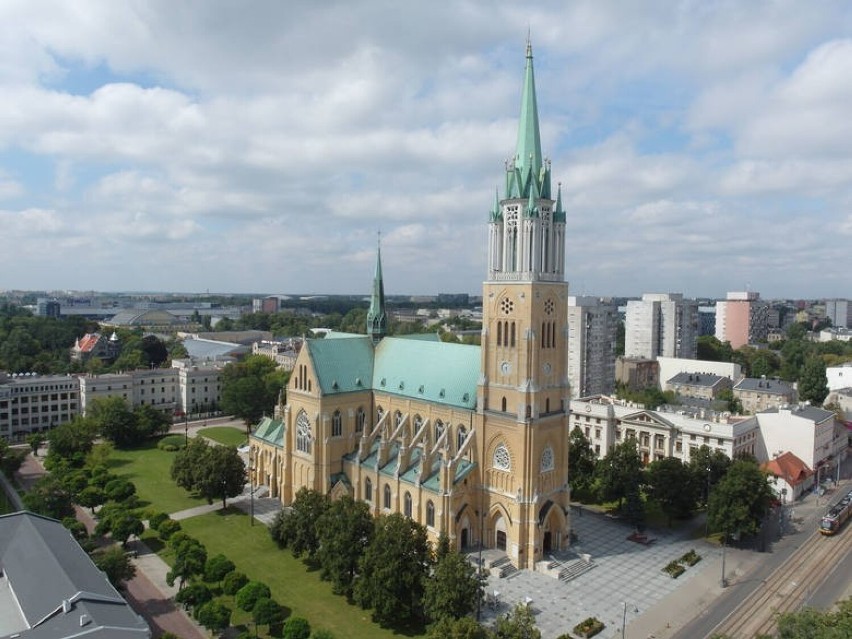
(546, 368)
(506, 368)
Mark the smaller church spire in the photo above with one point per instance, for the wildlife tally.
(377, 323)
(495, 209)
(558, 211)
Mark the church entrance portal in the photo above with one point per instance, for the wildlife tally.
(548, 544)
(501, 540)
(464, 539)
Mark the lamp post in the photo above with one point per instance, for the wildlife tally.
(251, 489)
(624, 618)
(723, 583)
(479, 560)
(707, 506)
(185, 428)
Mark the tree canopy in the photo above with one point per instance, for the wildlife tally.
(454, 588)
(344, 531)
(672, 485)
(741, 499)
(250, 388)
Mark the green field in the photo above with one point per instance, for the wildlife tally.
(150, 469)
(293, 586)
(226, 435)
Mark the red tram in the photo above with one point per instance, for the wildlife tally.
(836, 516)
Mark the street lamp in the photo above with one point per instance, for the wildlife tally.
(624, 618)
(251, 489)
(707, 506)
(185, 429)
(723, 583)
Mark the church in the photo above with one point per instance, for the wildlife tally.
(469, 441)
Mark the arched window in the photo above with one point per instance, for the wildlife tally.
(547, 459)
(380, 412)
(503, 405)
(430, 514)
(512, 336)
(418, 423)
(547, 405)
(368, 490)
(387, 502)
(461, 434)
(336, 424)
(408, 505)
(360, 419)
(499, 333)
(397, 418)
(439, 429)
(501, 459)
(303, 432)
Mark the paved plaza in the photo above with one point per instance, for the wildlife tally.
(624, 571)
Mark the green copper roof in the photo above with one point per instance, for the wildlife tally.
(528, 152)
(342, 365)
(377, 322)
(558, 211)
(271, 431)
(432, 371)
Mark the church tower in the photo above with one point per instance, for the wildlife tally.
(377, 321)
(523, 388)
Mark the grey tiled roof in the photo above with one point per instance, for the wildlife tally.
(696, 379)
(769, 386)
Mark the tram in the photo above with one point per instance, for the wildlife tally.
(836, 516)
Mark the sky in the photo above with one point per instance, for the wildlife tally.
(703, 146)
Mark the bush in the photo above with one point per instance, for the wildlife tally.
(589, 627)
(691, 558)
(217, 568)
(167, 529)
(172, 443)
(297, 628)
(248, 595)
(155, 519)
(674, 569)
(233, 582)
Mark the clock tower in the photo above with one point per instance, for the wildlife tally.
(523, 389)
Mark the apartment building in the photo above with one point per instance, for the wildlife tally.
(698, 385)
(32, 403)
(199, 387)
(661, 324)
(839, 312)
(757, 394)
(592, 329)
(742, 319)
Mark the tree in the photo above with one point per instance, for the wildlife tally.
(188, 462)
(707, 466)
(267, 612)
(344, 531)
(36, 440)
(454, 588)
(733, 403)
(297, 628)
(464, 628)
(125, 525)
(194, 595)
(817, 624)
(168, 528)
(581, 461)
(151, 422)
(119, 489)
(393, 570)
(619, 472)
(114, 420)
(672, 485)
(813, 384)
(710, 349)
(519, 625)
(740, 501)
(217, 568)
(190, 558)
(232, 583)
(77, 528)
(221, 474)
(301, 525)
(214, 615)
(116, 565)
(91, 497)
(71, 441)
(154, 351)
(250, 388)
(248, 595)
(49, 497)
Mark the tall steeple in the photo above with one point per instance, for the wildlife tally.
(377, 322)
(528, 151)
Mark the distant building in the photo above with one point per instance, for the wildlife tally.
(592, 328)
(661, 324)
(671, 366)
(832, 334)
(32, 403)
(698, 385)
(96, 346)
(270, 304)
(282, 352)
(742, 319)
(839, 312)
(757, 394)
(706, 320)
(838, 377)
(199, 387)
(637, 373)
(607, 421)
(51, 589)
(48, 308)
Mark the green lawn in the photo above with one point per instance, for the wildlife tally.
(226, 435)
(150, 469)
(293, 586)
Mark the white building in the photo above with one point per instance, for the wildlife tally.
(812, 434)
(839, 376)
(661, 324)
(32, 403)
(671, 366)
(839, 312)
(606, 421)
(592, 329)
(199, 387)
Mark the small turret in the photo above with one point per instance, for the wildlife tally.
(377, 323)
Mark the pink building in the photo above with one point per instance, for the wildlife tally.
(741, 319)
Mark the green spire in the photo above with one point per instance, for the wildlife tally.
(528, 153)
(496, 214)
(558, 212)
(377, 323)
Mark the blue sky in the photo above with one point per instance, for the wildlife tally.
(702, 146)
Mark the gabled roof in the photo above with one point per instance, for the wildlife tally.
(271, 431)
(342, 365)
(789, 468)
(56, 585)
(768, 386)
(652, 416)
(88, 342)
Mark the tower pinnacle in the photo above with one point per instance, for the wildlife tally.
(528, 152)
(377, 323)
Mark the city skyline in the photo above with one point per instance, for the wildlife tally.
(701, 148)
